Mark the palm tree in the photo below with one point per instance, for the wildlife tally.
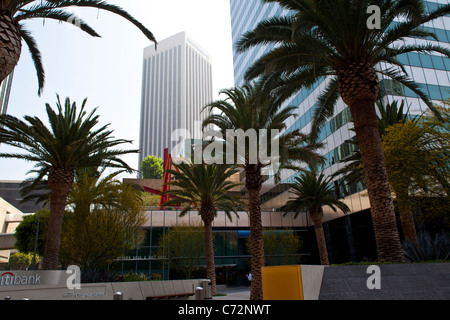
(14, 12)
(71, 142)
(330, 39)
(390, 114)
(311, 192)
(247, 109)
(204, 188)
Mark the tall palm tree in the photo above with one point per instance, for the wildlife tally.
(12, 31)
(390, 114)
(311, 192)
(71, 142)
(247, 109)
(331, 39)
(204, 188)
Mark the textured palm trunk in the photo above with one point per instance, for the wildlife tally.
(253, 183)
(60, 181)
(406, 218)
(316, 215)
(10, 43)
(210, 265)
(359, 88)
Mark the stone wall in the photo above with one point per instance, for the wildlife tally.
(415, 281)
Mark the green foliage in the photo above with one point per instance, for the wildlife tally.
(70, 142)
(428, 248)
(132, 276)
(184, 248)
(417, 162)
(152, 168)
(21, 261)
(251, 108)
(311, 191)
(150, 200)
(205, 188)
(281, 247)
(104, 222)
(25, 233)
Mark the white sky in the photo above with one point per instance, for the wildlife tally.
(108, 70)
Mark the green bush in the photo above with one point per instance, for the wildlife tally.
(428, 248)
(130, 277)
(21, 261)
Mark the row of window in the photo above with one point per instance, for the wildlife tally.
(435, 92)
(423, 60)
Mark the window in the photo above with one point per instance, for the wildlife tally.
(435, 93)
(438, 63)
(445, 92)
(403, 58)
(426, 61)
(414, 59)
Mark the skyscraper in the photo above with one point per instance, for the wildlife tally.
(176, 85)
(5, 89)
(429, 70)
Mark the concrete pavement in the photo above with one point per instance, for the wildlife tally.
(237, 293)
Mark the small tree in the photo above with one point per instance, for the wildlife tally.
(149, 199)
(281, 247)
(152, 168)
(105, 221)
(311, 192)
(25, 233)
(184, 248)
(205, 188)
(417, 162)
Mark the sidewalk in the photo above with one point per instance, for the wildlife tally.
(239, 293)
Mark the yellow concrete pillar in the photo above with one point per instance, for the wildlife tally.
(282, 283)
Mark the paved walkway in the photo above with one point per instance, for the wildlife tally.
(239, 293)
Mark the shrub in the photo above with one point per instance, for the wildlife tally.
(129, 277)
(21, 261)
(427, 248)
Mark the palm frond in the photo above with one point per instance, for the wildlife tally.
(36, 57)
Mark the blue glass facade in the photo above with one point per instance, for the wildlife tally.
(431, 72)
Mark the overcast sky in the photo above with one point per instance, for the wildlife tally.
(108, 70)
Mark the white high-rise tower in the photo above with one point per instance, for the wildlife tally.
(176, 85)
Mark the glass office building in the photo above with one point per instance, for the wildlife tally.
(432, 72)
(232, 258)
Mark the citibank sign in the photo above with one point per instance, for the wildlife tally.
(11, 279)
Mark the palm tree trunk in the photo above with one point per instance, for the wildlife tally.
(406, 218)
(367, 133)
(60, 181)
(210, 265)
(317, 216)
(10, 43)
(253, 183)
(52, 244)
